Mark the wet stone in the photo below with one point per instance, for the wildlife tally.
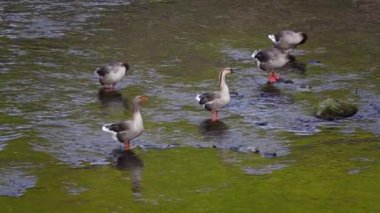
(331, 109)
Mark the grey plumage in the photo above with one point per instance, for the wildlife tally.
(112, 73)
(272, 58)
(288, 39)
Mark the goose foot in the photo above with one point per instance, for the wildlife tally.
(273, 77)
(127, 145)
(214, 116)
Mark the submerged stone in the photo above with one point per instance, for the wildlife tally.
(330, 109)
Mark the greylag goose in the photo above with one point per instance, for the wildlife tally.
(112, 73)
(271, 59)
(125, 131)
(288, 39)
(215, 101)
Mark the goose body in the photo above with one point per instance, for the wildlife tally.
(126, 131)
(288, 39)
(215, 101)
(271, 59)
(112, 73)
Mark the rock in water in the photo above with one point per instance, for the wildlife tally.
(331, 109)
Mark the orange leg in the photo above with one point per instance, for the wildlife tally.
(214, 116)
(127, 145)
(273, 77)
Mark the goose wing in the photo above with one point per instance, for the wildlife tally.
(102, 71)
(117, 127)
(207, 98)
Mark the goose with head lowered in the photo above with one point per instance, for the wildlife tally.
(271, 59)
(215, 101)
(288, 39)
(127, 130)
(112, 73)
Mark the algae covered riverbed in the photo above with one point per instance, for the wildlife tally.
(268, 152)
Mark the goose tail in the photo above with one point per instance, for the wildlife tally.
(198, 98)
(272, 38)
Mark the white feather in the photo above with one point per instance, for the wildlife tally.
(114, 134)
(272, 38)
(95, 72)
(198, 97)
(104, 128)
(114, 137)
(254, 54)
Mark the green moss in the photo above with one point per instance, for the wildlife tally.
(316, 179)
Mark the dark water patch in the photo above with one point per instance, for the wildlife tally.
(131, 163)
(208, 127)
(112, 98)
(15, 181)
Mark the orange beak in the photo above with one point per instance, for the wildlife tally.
(144, 98)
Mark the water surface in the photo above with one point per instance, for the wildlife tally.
(268, 148)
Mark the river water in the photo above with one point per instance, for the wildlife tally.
(52, 108)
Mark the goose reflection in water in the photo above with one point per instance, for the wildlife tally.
(112, 98)
(213, 128)
(128, 161)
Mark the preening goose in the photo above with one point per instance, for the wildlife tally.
(112, 73)
(127, 130)
(215, 101)
(271, 59)
(288, 39)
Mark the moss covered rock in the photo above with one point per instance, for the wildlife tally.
(330, 109)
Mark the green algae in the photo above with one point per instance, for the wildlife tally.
(317, 178)
(330, 109)
(327, 172)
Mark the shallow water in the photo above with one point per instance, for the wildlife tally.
(267, 147)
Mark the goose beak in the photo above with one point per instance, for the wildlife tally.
(144, 98)
(233, 70)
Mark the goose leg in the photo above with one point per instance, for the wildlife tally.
(127, 145)
(214, 116)
(273, 77)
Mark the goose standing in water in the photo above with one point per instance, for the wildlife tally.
(271, 59)
(125, 131)
(112, 73)
(288, 39)
(215, 101)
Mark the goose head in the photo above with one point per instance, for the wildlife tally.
(140, 99)
(227, 70)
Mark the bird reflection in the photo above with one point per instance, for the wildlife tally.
(268, 89)
(130, 162)
(295, 66)
(213, 128)
(111, 97)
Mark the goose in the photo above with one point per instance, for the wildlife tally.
(127, 130)
(271, 59)
(112, 73)
(215, 101)
(288, 39)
